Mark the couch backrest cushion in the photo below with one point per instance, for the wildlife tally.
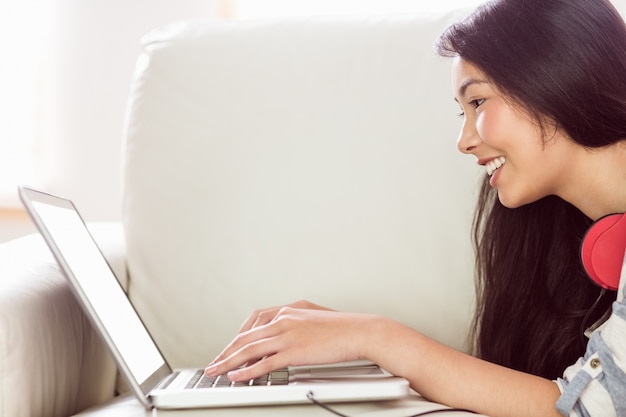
(271, 161)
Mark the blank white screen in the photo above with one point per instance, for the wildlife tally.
(101, 288)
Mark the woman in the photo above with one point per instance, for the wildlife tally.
(542, 88)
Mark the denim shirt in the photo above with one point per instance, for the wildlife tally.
(596, 384)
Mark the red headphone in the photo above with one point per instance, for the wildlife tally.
(602, 250)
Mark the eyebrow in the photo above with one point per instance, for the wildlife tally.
(470, 81)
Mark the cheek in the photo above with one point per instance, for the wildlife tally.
(485, 127)
(493, 125)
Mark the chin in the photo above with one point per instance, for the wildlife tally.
(512, 202)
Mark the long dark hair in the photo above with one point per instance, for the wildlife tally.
(562, 61)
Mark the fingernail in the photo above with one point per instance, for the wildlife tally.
(210, 371)
(234, 375)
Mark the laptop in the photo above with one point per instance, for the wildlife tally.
(151, 379)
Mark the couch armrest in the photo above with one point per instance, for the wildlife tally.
(52, 363)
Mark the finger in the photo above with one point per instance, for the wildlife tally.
(259, 318)
(243, 340)
(250, 353)
(260, 368)
(228, 351)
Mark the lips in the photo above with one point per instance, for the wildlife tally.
(494, 164)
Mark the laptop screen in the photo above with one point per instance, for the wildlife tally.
(95, 283)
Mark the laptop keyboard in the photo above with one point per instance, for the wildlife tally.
(199, 380)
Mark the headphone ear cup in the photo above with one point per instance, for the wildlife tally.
(602, 250)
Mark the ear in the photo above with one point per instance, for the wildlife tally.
(602, 250)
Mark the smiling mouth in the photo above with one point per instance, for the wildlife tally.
(494, 164)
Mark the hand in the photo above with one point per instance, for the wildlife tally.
(264, 316)
(299, 334)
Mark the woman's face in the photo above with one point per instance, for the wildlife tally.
(522, 166)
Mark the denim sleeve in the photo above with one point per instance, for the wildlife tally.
(596, 384)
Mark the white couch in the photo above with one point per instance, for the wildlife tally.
(266, 162)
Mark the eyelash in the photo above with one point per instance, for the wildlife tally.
(476, 103)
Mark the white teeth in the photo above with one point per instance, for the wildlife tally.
(494, 164)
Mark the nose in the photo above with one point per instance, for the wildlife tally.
(468, 139)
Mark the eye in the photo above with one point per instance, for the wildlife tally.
(477, 102)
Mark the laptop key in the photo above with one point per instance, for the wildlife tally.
(206, 382)
(222, 381)
(279, 377)
(261, 380)
(194, 380)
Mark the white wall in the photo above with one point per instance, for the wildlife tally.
(253, 9)
(94, 47)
